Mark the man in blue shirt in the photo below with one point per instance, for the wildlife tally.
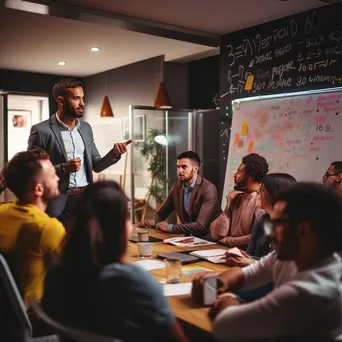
(71, 147)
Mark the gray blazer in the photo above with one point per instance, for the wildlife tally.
(47, 136)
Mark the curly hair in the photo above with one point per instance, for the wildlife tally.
(256, 166)
(338, 166)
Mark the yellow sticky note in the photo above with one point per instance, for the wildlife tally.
(244, 128)
(249, 82)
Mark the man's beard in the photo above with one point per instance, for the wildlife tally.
(241, 185)
(71, 112)
(50, 194)
(185, 180)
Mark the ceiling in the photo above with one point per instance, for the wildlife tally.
(34, 42)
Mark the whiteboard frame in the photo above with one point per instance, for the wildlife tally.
(274, 96)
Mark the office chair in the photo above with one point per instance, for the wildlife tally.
(68, 332)
(15, 300)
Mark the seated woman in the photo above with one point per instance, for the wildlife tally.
(93, 289)
(260, 243)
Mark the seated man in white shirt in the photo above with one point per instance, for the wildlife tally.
(304, 306)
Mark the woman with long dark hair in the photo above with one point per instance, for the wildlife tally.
(93, 289)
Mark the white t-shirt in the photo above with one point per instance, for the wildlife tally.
(306, 307)
(268, 269)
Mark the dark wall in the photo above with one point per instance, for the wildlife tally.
(28, 82)
(134, 84)
(204, 82)
(176, 78)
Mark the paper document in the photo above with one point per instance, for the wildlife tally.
(149, 265)
(177, 289)
(209, 252)
(216, 256)
(235, 251)
(188, 241)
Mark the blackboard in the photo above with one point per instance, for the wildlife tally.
(295, 53)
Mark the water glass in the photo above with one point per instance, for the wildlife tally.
(173, 269)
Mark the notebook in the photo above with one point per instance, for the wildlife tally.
(216, 256)
(185, 258)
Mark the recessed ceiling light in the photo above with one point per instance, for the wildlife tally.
(95, 49)
(61, 63)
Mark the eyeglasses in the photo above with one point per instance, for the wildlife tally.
(327, 175)
(270, 225)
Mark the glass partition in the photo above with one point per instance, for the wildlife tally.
(159, 136)
(207, 143)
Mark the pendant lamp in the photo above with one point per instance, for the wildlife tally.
(162, 98)
(106, 109)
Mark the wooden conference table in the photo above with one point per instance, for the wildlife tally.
(184, 307)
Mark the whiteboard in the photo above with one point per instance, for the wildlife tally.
(299, 133)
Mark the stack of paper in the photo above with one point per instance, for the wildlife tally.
(177, 289)
(189, 241)
(149, 265)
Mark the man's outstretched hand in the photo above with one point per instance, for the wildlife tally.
(121, 148)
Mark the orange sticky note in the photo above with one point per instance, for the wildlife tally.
(250, 146)
(241, 143)
(244, 128)
(236, 139)
(249, 82)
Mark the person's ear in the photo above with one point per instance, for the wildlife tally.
(60, 100)
(39, 190)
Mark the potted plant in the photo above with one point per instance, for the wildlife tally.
(154, 154)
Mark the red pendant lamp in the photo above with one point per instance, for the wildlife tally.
(106, 109)
(162, 98)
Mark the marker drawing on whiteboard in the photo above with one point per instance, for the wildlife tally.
(236, 139)
(224, 132)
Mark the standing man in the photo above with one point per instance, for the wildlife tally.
(70, 144)
(333, 177)
(192, 197)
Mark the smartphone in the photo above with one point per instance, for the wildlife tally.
(210, 290)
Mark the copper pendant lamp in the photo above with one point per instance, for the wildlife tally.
(162, 98)
(106, 109)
